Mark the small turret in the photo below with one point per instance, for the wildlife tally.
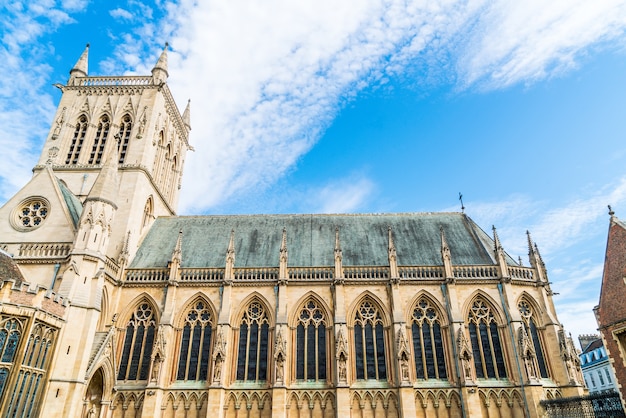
(106, 186)
(80, 68)
(187, 115)
(159, 72)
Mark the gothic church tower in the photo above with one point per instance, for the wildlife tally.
(111, 164)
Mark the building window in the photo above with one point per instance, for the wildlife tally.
(99, 141)
(311, 343)
(528, 317)
(252, 353)
(608, 376)
(369, 342)
(485, 338)
(593, 381)
(138, 344)
(10, 334)
(30, 213)
(77, 141)
(600, 377)
(195, 346)
(29, 382)
(427, 342)
(124, 137)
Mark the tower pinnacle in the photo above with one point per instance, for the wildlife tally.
(81, 66)
(159, 72)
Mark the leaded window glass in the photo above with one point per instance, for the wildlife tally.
(77, 141)
(138, 344)
(369, 342)
(428, 342)
(99, 141)
(485, 340)
(311, 343)
(195, 347)
(528, 317)
(35, 362)
(252, 352)
(124, 137)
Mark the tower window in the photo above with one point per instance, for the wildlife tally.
(138, 344)
(100, 141)
(195, 348)
(124, 138)
(252, 353)
(369, 342)
(427, 342)
(311, 343)
(485, 339)
(77, 141)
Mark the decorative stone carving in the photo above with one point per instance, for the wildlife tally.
(280, 354)
(59, 124)
(465, 355)
(341, 351)
(219, 354)
(528, 353)
(403, 354)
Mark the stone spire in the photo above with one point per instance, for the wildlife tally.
(338, 256)
(159, 72)
(80, 68)
(535, 258)
(107, 183)
(229, 274)
(499, 253)
(187, 115)
(393, 256)
(284, 256)
(446, 257)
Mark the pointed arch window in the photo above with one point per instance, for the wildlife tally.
(35, 360)
(369, 342)
(99, 141)
(530, 325)
(311, 342)
(10, 335)
(147, 213)
(486, 342)
(427, 341)
(195, 346)
(77, 140)
(138, 344)
(124, 137)
(252, 352)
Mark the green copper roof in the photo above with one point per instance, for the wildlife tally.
(74, 205)
(311, 240)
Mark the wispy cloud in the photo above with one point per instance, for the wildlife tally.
(120, 13)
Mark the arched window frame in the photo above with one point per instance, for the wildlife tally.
(428, 340)
(311, 341)
(99, 142)
(529, 319)
(197, 328)
(148, 213)
(137, 343)
(77, 140)
(486, 341)
(126, 126)
(253, 343)
(369, 341)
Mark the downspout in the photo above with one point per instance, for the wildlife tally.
(57, 266)
(519, 368)
(444, 290)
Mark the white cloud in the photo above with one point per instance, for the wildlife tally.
(343, 196)
(122, 14)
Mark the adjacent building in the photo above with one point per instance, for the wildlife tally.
(595, 364)
(111, 305)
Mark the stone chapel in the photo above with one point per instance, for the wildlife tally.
(112, 305)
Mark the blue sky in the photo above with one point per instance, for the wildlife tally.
(325, 106)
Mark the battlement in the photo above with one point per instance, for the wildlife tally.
(32, 295)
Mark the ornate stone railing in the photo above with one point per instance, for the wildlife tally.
(475, 271)
(53, 250)
(307, 274)
(111, 268)
(115, 81)
(424, 272)
(352, 273)
(147, 276)
(253, 274)
(202, 275)
(525, 273)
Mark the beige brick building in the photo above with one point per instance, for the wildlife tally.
(113, 306)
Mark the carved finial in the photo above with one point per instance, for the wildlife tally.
(81, 66)
(519, 261)
(230, 253)
(496, 239)
(462, 206)
(178, 249)
(337, 243)
(187, 115)
(392, 245)
(283, 247)
(159, 72)
(531, 250)
(611, 213)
